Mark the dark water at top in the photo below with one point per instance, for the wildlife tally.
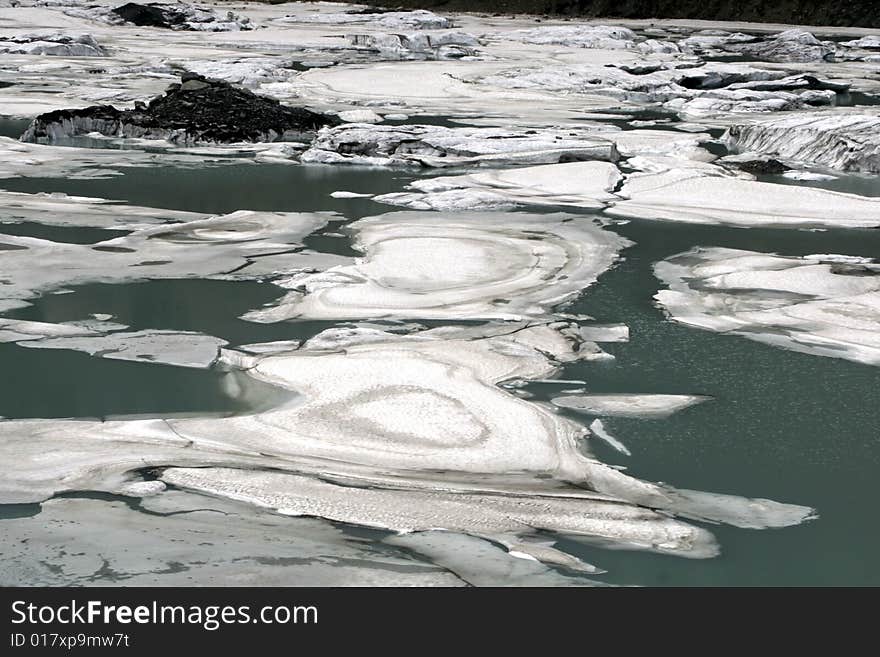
(782, 425)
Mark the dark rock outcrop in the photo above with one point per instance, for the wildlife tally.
(198, 110)
(152, 15)
(763, 167)
(179, 17)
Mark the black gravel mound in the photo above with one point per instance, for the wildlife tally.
(199, 109)
(150, 15)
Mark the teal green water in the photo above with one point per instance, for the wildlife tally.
(782, 425)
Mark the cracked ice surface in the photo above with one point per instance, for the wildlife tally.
(825, 305)
(468, 265)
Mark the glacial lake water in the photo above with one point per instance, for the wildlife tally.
(781, 425)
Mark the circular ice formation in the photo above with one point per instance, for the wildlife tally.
(472, 265)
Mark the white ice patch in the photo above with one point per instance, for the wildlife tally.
(242, 244)
(606, 37)
(598, 429)
(690, 196)
(181, 348)
(816, 305)
(486, 515)
(807, 175)
(579, 184)
(467, 265)
(418, 19)
(77, 211)
(51, 43)
(627, 405)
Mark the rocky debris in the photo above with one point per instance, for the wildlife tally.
(52, 43)
(417, 45)
(180, 17)
(839, 140)
(761, 166)
(199, 109)
(437, 146)
(790, 46)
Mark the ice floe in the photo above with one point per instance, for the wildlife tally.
(627, 405)
(181, 348)
(705, 88)
(484, 563)
(462, 512)
(580, 184)
(822, 305)
(415, 45)
(52, 43)
(597, 428)
(847, 140)
(438, 146)
(243, 244)
(794, 45)
(182, 539)
(62, 210)
(417, 19)
(691, 196)
(385, 414)
(426, 265)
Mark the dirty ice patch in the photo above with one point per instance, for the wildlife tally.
(846, 140)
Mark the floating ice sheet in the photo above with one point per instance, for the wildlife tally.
(580, 184)
(690, 196)
(822, 305)
(466, 265)
(241, 244)
(181, 348)
(63, 210)
(181, 539)
(627, 405)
